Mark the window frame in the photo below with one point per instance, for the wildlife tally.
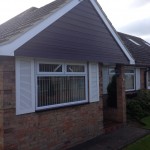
(60, 74)
(128, 90)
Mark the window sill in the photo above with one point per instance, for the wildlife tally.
(61, 107)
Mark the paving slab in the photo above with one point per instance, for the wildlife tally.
(115, 140)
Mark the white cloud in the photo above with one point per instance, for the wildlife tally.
(128, 16)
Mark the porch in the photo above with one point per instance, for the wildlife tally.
(114, 110)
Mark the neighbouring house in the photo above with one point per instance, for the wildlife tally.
(136, 76)
(51, 61)
(140, 50)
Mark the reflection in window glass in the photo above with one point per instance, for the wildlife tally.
(111, 73)
(50, 68)
(75, 68)
(129, 79)
(58, 90)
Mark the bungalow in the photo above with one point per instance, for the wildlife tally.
(140, 50)
(51, 61)
(136, 76)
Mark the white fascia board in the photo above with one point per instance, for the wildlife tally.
(9, 48)
(109, 26)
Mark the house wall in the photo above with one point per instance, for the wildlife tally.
(7, 93)
(52, 129)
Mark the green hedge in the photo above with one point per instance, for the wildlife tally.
(139, 106)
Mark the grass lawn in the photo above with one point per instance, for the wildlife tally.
(142, 144)
(146, 121)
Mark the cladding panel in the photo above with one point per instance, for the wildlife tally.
(78, 35)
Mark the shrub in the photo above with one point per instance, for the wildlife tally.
(112, 92)
(139, 106)
(143, 96)
(135, 111)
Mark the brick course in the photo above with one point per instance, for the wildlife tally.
(48, 130)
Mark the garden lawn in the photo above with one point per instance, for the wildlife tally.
(146, 122)
(142, 144)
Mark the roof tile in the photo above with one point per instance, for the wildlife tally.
(141, 52)
(25, 20)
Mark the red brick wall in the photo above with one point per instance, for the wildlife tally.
(7, 92)
(48, 130)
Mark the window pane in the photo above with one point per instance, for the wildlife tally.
(58, 90)
(110, 77)
(50, 68)
(129, 70)
(129, 81)
(75, 68)
(112, 71)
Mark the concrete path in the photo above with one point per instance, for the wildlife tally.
(115, 140)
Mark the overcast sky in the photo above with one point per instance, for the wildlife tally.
(128, 16)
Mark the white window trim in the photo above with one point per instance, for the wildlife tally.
(19, 109)
(94, 93)
(138, 78)
(63, 73)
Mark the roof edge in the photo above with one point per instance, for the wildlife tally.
(9, 48)
(112, 31)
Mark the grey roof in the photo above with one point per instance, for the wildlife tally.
(139, 48)
(24, 21)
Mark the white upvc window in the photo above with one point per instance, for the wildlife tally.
(44, 84)
(60, 84)
(129, 79)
